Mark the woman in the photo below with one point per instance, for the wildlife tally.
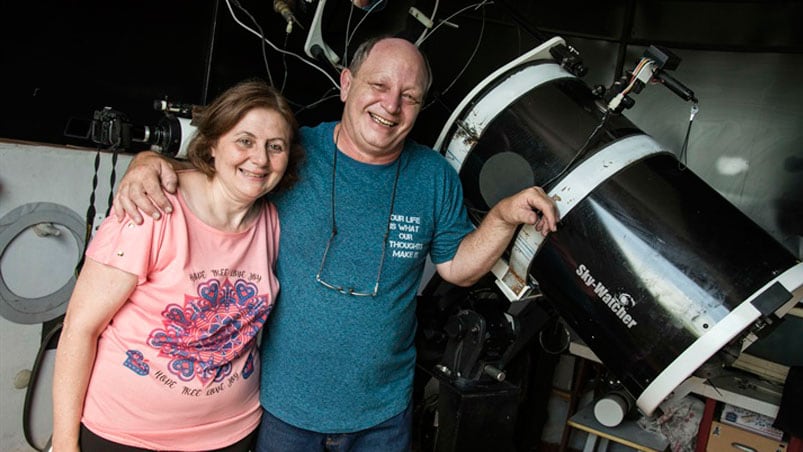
(158, 349)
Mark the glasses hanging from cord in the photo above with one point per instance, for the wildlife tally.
(350, 290)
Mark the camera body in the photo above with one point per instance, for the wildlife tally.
(115, 130)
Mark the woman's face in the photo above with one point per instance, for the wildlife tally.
(251, 158)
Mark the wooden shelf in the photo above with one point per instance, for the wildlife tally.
(627, 433)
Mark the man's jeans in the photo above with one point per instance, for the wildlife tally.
(393, 435)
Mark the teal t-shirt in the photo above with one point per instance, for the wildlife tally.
(336, 363)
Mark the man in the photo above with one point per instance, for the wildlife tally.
(370, 206)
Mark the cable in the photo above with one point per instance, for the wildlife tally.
(112, 180)
(580, 152)
(90, 214)
(283, 8)
(261, 35)
(643, 64)
(305, 61)
(346, 35)
(471, 58)
(460, 11)
(284, 63)
(319, 101)
(350, 37)
(479, 213)
(682, 157)
(54, 333)
(431, 19)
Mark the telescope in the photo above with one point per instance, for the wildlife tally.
(656, 272)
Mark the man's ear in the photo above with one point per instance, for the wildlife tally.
(345, 84)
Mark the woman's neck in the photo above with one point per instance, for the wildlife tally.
(213, 206)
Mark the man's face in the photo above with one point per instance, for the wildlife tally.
(383, 98)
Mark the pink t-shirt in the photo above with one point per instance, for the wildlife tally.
(177, 367)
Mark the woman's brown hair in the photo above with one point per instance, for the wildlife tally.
(220, 116)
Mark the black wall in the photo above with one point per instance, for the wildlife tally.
(68, 58)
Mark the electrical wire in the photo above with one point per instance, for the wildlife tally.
(479, 213)
(473, 53)
(643, 64)
(261, 35)
(350, 37)
(304, 60)
(684, 149)
(580, 152)
(471, 58)
(49, 340)
(460, 11)
(319, 101)
(431, 20)
(346, 35)
(284, 62)
(112, 180)
(90, 213)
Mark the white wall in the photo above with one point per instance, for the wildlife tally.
(34, 267)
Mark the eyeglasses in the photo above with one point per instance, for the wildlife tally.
(350, 290)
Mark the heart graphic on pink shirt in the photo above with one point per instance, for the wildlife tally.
(210, 291)
(244, 290)
(136, 362)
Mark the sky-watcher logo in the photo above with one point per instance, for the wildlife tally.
(618, 304)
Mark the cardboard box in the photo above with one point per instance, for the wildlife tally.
(748, 420)
(727, 438)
